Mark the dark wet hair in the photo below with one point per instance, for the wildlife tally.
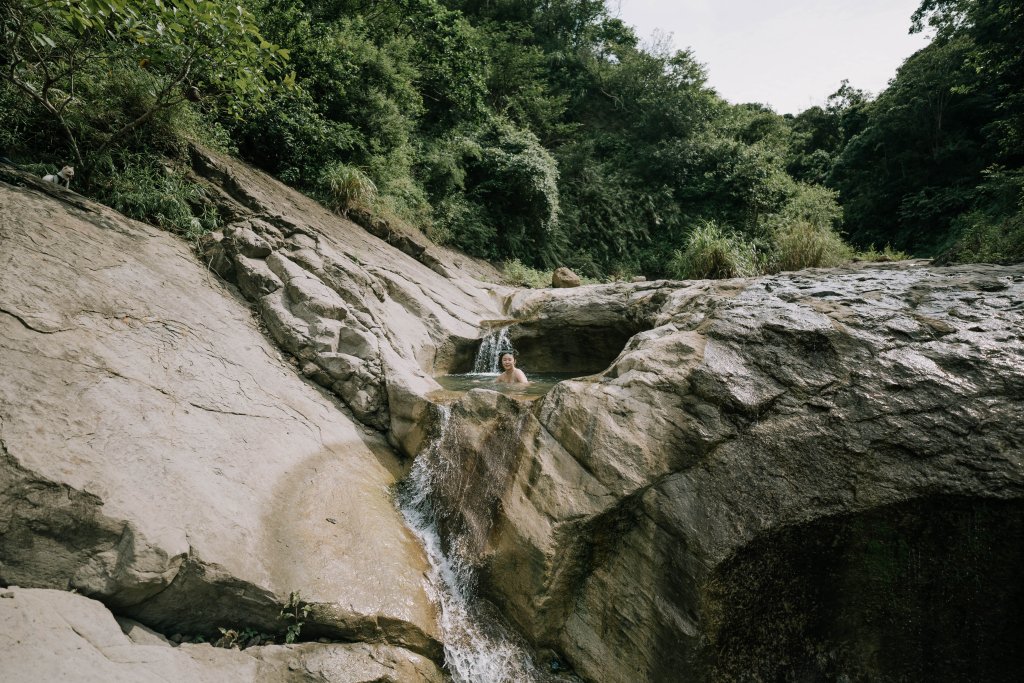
(508, 352)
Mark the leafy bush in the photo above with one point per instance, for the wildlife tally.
(812, 204)
(995, 232)
(496, 193)
(605, 220)
(887, 254)
(515, 180)
(152, 192)
(711, 253)
(291, 139)
(987, 240)
(62, 56)
(523, 276)
(345, 187)
(803, 245)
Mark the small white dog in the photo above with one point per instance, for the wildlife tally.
(63, 176)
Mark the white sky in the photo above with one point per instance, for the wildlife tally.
(788, 54)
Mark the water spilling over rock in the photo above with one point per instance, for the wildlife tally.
(488, 358)
(478, 647)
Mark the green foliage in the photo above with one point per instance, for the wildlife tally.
(819, 134)
(987, 240)
(187, 46)
(803, 232)
(993, 232)
(496, 189)
(515, 181)
(713, 253)
(517, 87)
(294, 614)
(887, 254)
(346, 187)
(812, 204)
(994, 30)
(292, 139)
(158, 194)
(534, 133)
(605, 220)
(916, 163)
(918, 167)
(357, 102)
(240, 639)
(517, 274)
(802, 244)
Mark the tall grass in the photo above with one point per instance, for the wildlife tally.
(345, 187)
(886, 254)
(712, 253)
(521, 275)
(801, 244)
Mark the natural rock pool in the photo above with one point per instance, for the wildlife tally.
(456, 386)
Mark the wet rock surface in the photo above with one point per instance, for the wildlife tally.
(370, 314)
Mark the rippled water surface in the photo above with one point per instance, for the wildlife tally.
(539, 384)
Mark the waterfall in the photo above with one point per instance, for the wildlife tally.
(491, 348)
(477, 648)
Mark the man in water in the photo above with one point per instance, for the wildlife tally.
(511, 374)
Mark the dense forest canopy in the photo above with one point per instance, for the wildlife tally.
(533, 130)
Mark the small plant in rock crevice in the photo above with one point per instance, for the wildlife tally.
(294, 613)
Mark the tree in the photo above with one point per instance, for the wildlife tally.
(995, 29)
(915, 164)
(192, 47)
(820, 134)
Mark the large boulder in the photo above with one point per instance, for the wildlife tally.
(159, 455)
(564, 278)
(806, 475)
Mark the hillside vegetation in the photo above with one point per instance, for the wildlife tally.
(536, 132)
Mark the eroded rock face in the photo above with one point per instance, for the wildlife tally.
(158, 455)
(49, 635)
(652, 523)
(370, 319)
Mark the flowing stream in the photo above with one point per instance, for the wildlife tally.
(478, 647)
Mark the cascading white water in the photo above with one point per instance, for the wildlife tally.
(477, 649)
(491, 348)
